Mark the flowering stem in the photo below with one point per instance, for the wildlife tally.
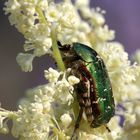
(56, 52)
(42, 18)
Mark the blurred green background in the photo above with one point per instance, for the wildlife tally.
(122, 15)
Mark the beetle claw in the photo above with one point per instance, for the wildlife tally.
(107, 128)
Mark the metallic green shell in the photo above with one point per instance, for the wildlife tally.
(97, 69)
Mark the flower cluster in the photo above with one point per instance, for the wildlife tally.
(50, 111)
(36, 20)
(45, 109)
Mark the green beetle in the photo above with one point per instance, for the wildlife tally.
(94, 92)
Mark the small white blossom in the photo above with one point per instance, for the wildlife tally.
(25, 61)
(45, 48)
(3, 126)
(5, 115)
(103, 33)
(73, 80)
(66, 119)
(65, 88)
(52, 75)
(69, 99)
(82, 3)
(97, 18)
(52, 14)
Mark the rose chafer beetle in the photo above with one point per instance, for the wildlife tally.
(94, 92)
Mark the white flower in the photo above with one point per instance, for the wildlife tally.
(43, 4)
(3, 126)
(80, 3)
(83, 6)
(69, 99)
(45, 48)
(97, 18)
(25, 61)
(69, 16)
(66, 119)
(36, 115)
(5, 115)
(73, 80)
(52, 75)
(30, 125)
(63, 90)
(11, 6)
(104, 34)
(52, 14)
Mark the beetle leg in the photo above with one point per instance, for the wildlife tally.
(77, 122)
(107, 128)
